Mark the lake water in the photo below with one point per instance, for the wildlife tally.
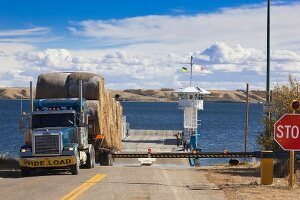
(222, 124)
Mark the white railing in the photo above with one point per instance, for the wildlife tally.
(153, 132)
(190, 104)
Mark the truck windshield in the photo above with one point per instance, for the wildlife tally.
(53, 120)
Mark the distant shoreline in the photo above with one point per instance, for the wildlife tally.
(206, 101)
(158, 95)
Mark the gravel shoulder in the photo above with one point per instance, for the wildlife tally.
(243, 182)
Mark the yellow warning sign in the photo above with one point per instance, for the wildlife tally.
(47, 162)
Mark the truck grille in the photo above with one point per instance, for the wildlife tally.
(47, 144)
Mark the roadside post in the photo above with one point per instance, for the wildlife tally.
(246, 120)
(295, 106)
(149, 153)
(287, 135)
(267, 163)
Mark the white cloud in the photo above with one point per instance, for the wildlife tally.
(10, 67)
(240, 62)
(11, 48)
(24, 32)
(223, 64)
(29, 36)
(119, 69)
(188, 33)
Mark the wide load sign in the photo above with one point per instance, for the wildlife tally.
(287, 132)
(47, 161)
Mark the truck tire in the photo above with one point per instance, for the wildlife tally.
(93, 158)
(105, 158)
(75, 168)
(101, 158)
(90, 162)
(109, 159)
(25, 171)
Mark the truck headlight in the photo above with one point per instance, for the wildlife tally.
(23, 150)
(68, 148)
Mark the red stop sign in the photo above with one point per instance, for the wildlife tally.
(287, 132)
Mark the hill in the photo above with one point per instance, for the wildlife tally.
(164, 94)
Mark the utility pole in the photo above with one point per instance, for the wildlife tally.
(247, 119)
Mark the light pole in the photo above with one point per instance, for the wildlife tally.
(268, 54)
(268, 93)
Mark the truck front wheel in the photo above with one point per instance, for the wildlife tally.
(25, 171)
(75, 168)
(93, 158)
(90, 163)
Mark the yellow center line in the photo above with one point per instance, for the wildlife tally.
(83, 187)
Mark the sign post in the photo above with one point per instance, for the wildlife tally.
(287, 135)
(292, 163)
(292, 166)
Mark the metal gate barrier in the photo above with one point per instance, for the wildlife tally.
(255, 154)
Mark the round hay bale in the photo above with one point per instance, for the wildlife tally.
(92, 108)
(90, 85)
(52, 85)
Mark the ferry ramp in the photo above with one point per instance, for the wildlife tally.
(140, 141)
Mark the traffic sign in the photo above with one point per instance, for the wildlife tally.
(295, 105)
(287, 132)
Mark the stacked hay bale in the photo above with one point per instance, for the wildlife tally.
(52, 85)
(107, 116)
(100, 105)
(119, 116)
(90, 84)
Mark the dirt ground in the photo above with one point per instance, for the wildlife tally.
(243, 182)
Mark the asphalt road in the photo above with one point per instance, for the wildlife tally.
(166, 179)
(116, 182)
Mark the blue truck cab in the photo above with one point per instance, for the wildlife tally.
(58, 137)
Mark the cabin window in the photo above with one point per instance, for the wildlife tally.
(183, 96)
(191, 96)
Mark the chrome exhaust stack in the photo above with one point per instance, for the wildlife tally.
(80, 95)
(31, 98)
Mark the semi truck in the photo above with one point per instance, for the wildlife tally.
(60, 136)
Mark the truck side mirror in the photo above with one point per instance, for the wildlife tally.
(21, 124)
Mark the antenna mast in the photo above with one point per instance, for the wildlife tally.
(191, 77)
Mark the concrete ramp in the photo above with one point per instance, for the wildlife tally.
(156, 140)
(139, 141)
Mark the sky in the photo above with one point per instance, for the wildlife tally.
(145, 43)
